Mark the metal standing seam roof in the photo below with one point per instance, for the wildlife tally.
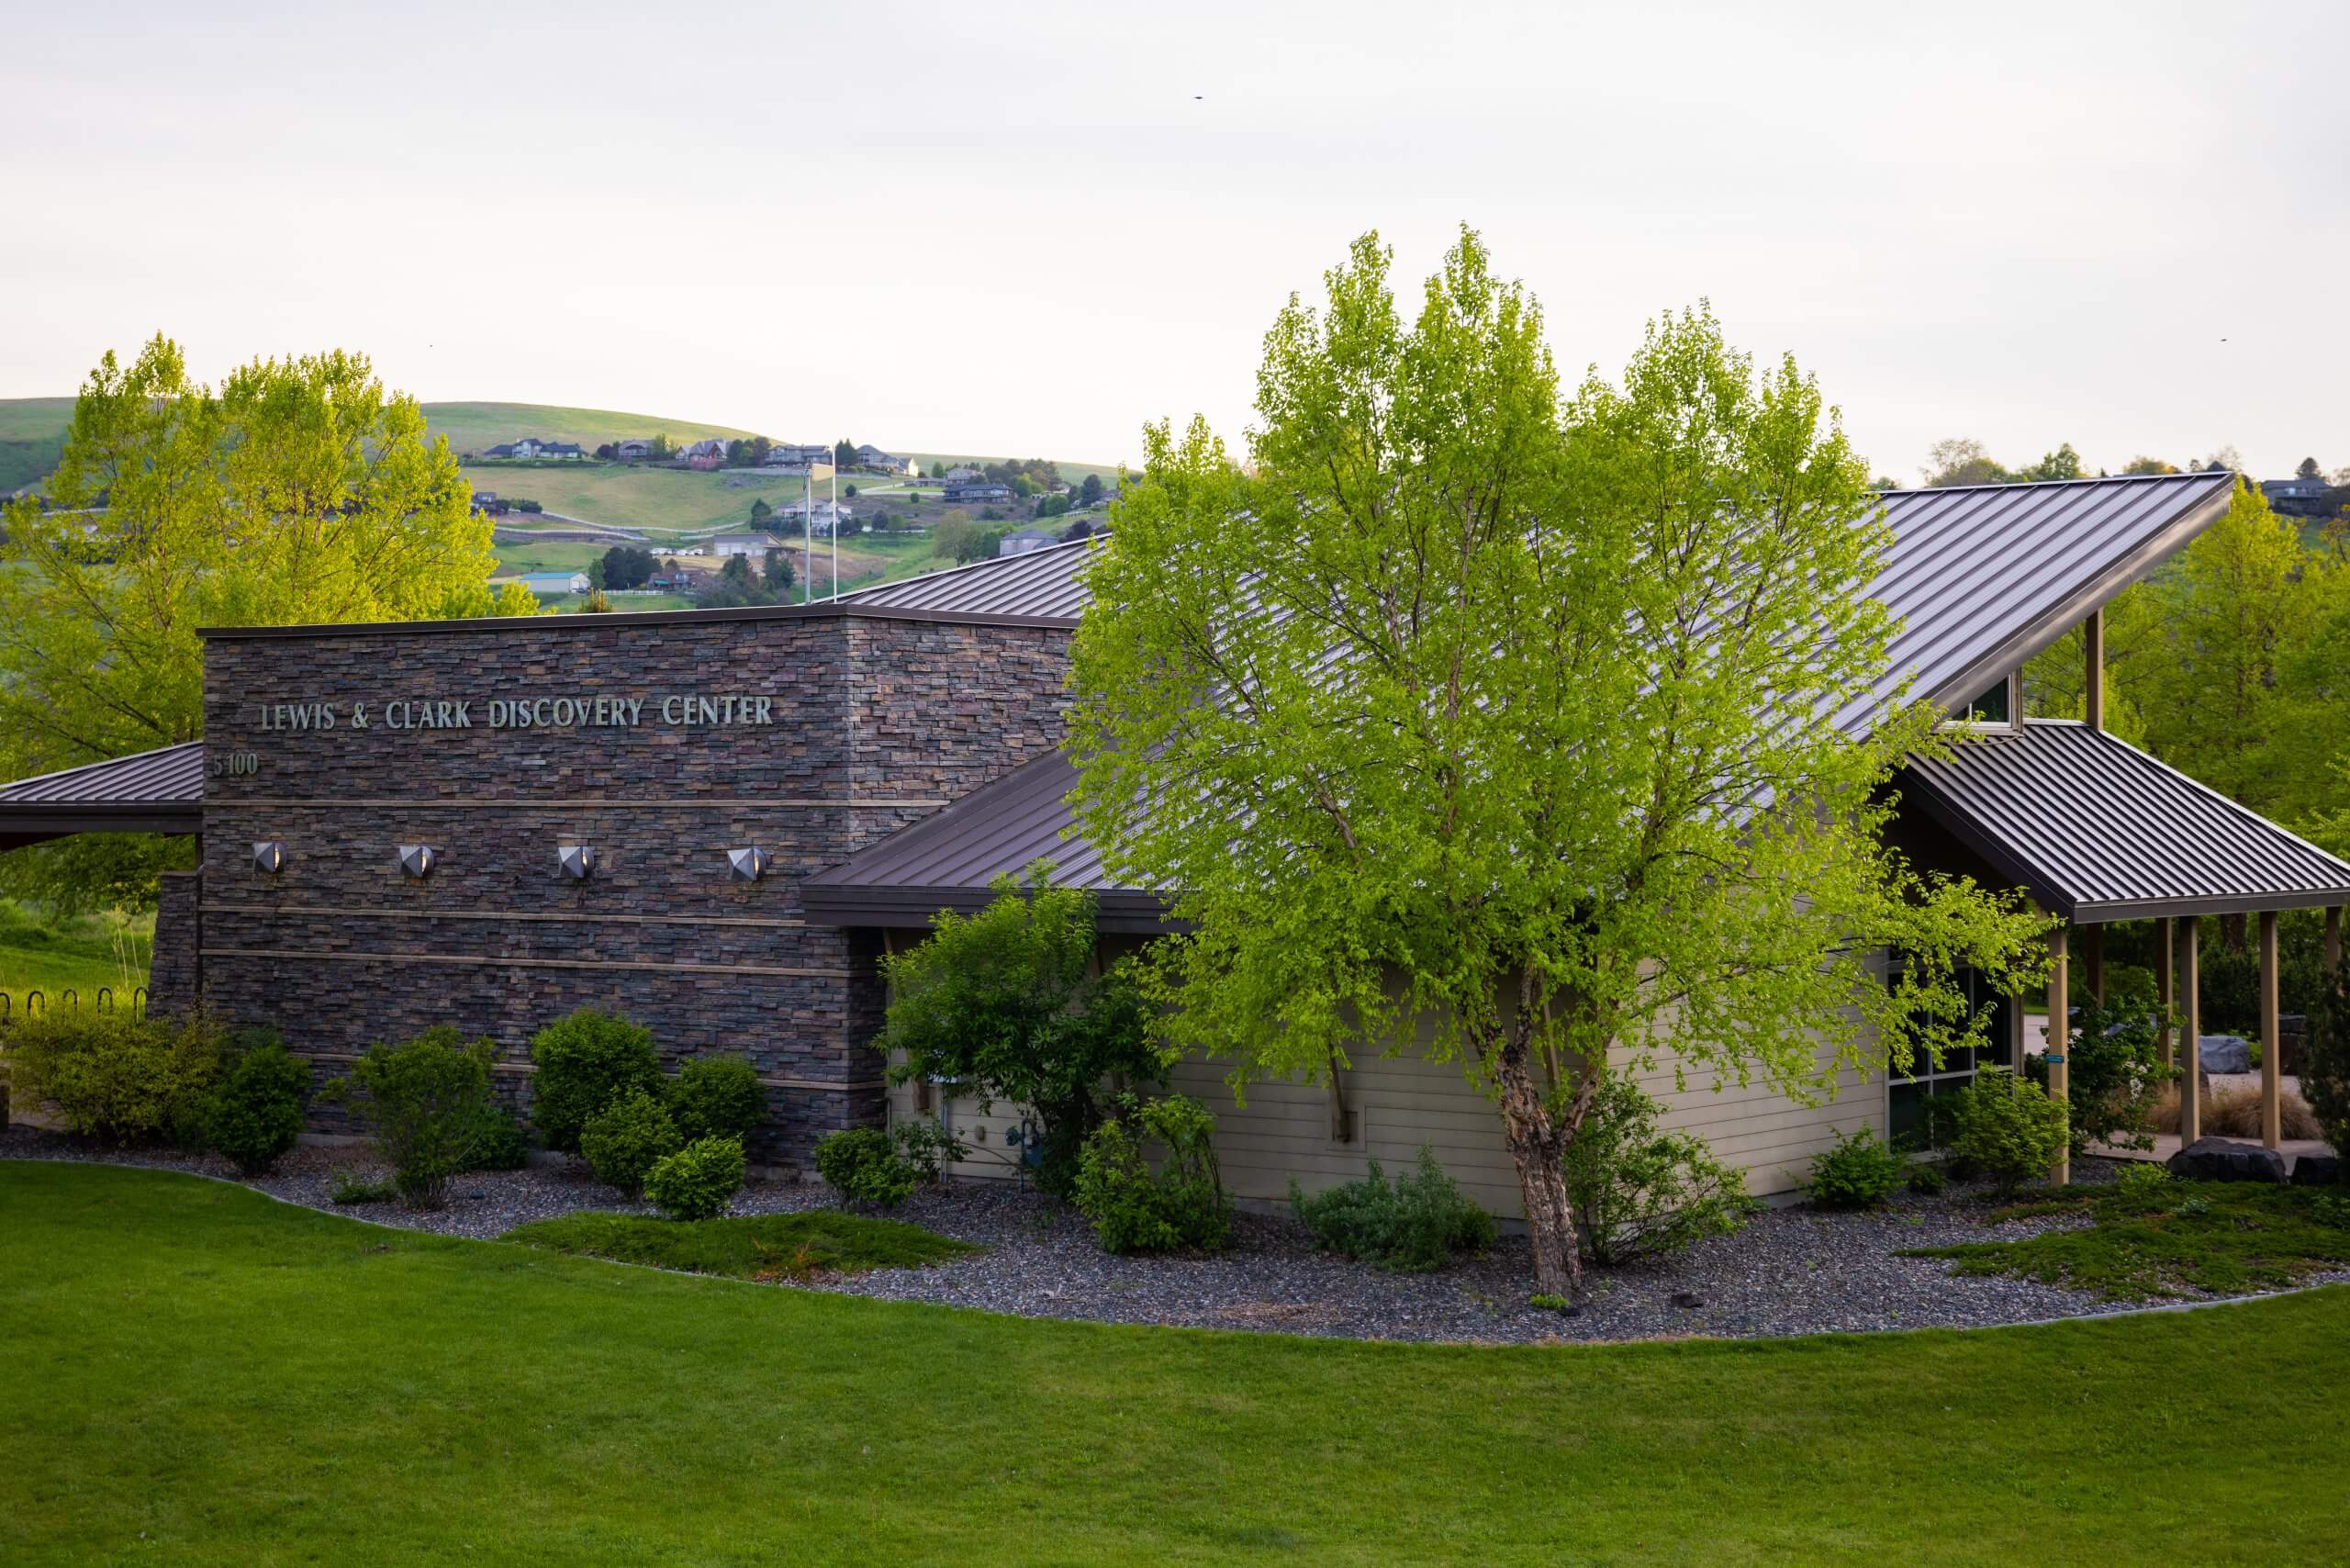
(2097, 831)
(1982, 578)
(947, 859)
(150, 792)
(1041, 583)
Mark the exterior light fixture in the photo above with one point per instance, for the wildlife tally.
(269, 858)
(417, 860)
(749, 863)
(577, 859)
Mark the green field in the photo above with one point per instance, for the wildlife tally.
(80, 955)
(197, 1373)
(476, 427)
(34, 418)
(661, 500)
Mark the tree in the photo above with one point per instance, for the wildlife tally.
(1011, 1001)
(2308, 470)
(775, 573)
(844, 452)
(1522, 732)
(1961, 461)
(1089, 494)
(956, 536)
(760, 510)
(2148, 466)
(299, 491)
(2062, 463)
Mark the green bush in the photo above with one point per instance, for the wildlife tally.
(859, 1164)
(2116, 1071)
(586, 1061)
(1861, 1171)
(1636, 1190)
(256, 1111)
(698, 1181)
(623, 1141)
(350, 1187)
(2008, 1127)
(927, 1148)
(1926, 1178)
(2141, 1179)
(423, 1099)
(1415, 1224)
(118, 1076)
(499, 1143)
(1137, 1209)
(717, 1097)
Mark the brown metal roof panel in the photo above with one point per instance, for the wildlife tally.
(169, 776)
(2109, 833)
(1039, 582)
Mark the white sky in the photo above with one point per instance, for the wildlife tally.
(1015, 229)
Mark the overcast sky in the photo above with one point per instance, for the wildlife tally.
(1028, 229)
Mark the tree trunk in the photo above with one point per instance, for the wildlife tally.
(1535, 1145)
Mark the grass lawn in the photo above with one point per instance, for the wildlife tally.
(2227, 1236)
(749, 1247)
(53, 957)
(197, 1373)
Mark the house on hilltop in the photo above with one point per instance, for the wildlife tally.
(704, 454)
(881, 461)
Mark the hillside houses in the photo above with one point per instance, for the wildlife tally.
(784, 454)
(880, 462)
(755, 545)
(529, 450)
(975, 492)
(703, 455)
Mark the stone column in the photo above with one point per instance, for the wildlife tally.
(2272, 1047)
(175, 974)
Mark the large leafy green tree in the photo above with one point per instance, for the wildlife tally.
(300, 490)
(1530, 735)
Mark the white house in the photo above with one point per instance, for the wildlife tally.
(755, 545)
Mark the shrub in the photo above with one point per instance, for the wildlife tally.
(1636, 1189)
(717, 1097)
(2117, 1074)
(859, 1164)
(623, 1140)
(697, 1181)
(2141, 1179)
(927, 1148)
(586, 1061)
(1861, 1171)
(424, 1101)
(1010, 1003)
(117, 1076)
(350, 1187)
(1135, 1209)
(2325, 1060)
(2008, 1127)
(499, 1143)
(255, 1112)
(1415, 1224)
(1926, 1178)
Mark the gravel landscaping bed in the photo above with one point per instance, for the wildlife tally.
(1792, 1270)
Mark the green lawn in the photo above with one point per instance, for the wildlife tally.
(78, 956)
(196, 1373)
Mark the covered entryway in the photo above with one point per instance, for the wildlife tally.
(2097, 832)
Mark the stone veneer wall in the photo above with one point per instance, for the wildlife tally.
(877, 722)
(172, 977)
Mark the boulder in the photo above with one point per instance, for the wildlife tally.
(2318, 1171)
(2227, 1159)
(2225, 1053)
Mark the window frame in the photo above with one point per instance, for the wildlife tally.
(1964, 722)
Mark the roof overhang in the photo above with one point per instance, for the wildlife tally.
(2096, 831)
(150, 792)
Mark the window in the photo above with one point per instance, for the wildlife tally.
(1917, 1107)
(1993, 709)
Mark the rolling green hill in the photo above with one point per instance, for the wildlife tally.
(476, 427)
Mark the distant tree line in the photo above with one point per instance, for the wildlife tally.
(738, 583)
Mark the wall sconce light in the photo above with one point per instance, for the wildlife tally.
(577, 859)
(269, 858)
(749, 863)
(417, 860)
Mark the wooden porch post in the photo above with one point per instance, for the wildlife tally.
(2190, 1028)
(2272, 1103)
(2165, 982)
(2060, 1040)
(2332, 940)
(2093, 672)
(2093, 961)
